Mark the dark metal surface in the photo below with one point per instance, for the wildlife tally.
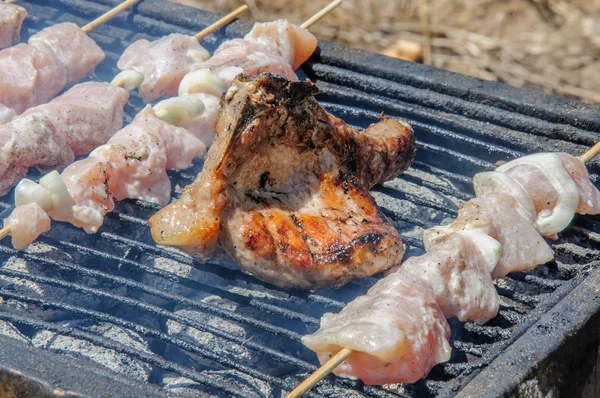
(115, 303)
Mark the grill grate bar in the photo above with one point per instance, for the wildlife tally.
(118, 347)
(457, 137)
(148, 332)
(119, 281)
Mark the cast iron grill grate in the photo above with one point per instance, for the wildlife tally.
(165, 322)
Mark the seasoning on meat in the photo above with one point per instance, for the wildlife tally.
(55, 58)
(282, 194)
(52, 135)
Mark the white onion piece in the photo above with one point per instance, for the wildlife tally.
(180, 111)
(199, 55)
(202, 81)
(62, 202)
(27, 223)
(128, 79)
(493, 181)
(28, 191)
(489, 247)
(568, 194)
(433, 233)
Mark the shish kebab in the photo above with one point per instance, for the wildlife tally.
(11, 20)
(54, 58)
(397, 332)
(131, 165)
(164, 63)
(71, 125)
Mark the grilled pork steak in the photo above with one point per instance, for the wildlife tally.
(284, 189)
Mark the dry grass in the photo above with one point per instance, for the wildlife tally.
(549, 45)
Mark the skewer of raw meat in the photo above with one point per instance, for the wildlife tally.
(54, 58)
(32, 218)
(161, 64)
(168, 64)
(86, 117)
(277, 47)
(472, 223)
(11, 20)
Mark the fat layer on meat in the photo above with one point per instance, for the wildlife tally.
(282, 193)
(51, 135)
(11, 20)
(397, 333)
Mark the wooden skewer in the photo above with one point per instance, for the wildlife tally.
(590, 153)
(108, 15)
(318, 16)
(221, 22)
(323, 371)
(10, 2)
(344, 353)
(5, 231)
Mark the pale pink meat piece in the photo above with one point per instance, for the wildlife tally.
(87, 115)
(51, 135)
(496, 214)
(26, 224)
(163, 63)
(295, 44)
(250, 57)
(6, 114)
(397, 333)
(457, 272)
(29, 141)
(73, 48)
(131, 165)
(29, 77)
(11, 20)
(589, 196)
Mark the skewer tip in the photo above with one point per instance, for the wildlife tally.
(110, 14)
(590, 153)
(320, 373)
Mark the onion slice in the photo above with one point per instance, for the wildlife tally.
(62, 202)
(568, 194)
(202, 81)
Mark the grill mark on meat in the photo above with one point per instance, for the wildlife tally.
(289, 182)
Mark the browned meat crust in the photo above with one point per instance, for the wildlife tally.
(284, 189)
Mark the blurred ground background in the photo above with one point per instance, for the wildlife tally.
(548, 45)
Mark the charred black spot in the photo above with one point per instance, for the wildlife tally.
(343, 179)
(255, 199)
(370, 238)
(264, 178)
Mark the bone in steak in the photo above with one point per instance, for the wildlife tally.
(284, 189)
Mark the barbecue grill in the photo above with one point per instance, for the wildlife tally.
(113, 314)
